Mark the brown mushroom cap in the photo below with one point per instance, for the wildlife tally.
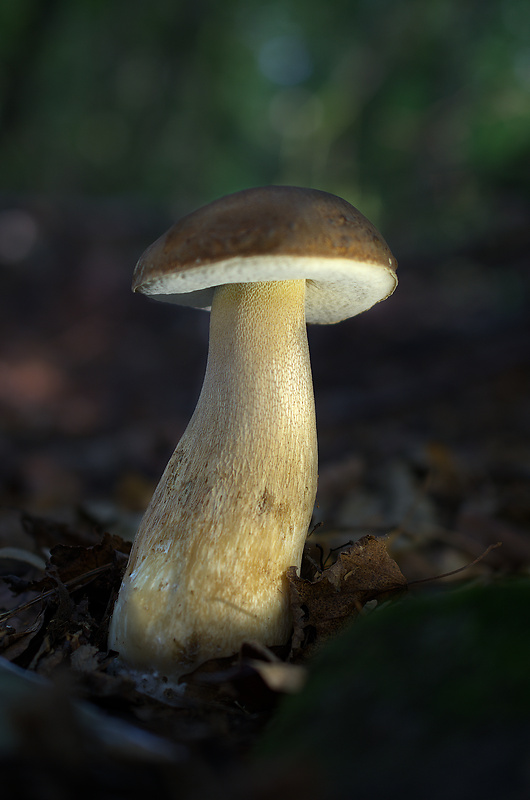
(273, 233)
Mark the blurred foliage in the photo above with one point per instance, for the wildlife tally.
(417, 112)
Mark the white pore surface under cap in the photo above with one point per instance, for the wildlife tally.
(337, 288)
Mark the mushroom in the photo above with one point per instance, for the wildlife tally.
(233, 507)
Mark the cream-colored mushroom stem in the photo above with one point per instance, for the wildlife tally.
(232, 509)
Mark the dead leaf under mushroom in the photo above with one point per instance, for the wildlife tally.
(362, 572)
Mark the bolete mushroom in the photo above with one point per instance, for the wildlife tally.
(233, 507)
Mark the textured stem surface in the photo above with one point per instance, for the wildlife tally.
(232, 509)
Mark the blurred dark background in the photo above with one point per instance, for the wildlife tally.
(116, 118)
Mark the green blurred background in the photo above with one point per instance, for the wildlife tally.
(417, 112)
(118, 117)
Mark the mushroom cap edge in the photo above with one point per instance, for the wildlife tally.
(273, 233)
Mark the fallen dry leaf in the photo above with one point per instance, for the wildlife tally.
(68, 608)
(280, 676)
(13, 644)
(363, 571)
(74, 562)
